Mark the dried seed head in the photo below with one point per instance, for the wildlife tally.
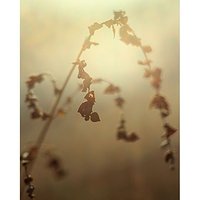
(30, 189)
(32, 196)
(24, 155)
(28, 179)
(24, 162)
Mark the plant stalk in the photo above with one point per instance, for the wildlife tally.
(48, 123)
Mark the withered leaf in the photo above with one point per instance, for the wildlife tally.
(85, 109)
(118, 14)
(159, 102)
(156, 78)
(30, 189)
(94, 117)
(32, 100)
(30, 97)
(111, 89)
(81, 73)
(54, 163)
(125, 30)
(29, 155)
(124, 20)
(30, 84)
(45, 115)
(90, 96)
(84, 75)
(122, 125)
(164, 143)
(28, 179)
(146, 49)
(147, 73)
(156, 83)
(169, 130)
(87, 44)
(169, 157)
(109, 23)
(37, 78)
(60, 173)
(24, 162)
(33, 80)
(24, 155)
(36, 114)
(164, 114)
(127, 38)
(132, 137)
(135, 41)
(119, 102)
(121, 135)
(156, 73)
(172, 166)
(81, 63)
(94, 27)
(146, 62)
(86, 84)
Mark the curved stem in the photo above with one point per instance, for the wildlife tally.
(48, 123)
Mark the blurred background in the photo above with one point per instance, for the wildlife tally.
(99, 166)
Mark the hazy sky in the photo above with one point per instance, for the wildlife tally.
(52, 32)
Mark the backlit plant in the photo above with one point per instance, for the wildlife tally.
(87, 107)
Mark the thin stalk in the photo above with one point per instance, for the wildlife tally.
(48, 123)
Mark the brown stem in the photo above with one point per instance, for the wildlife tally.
(48, 123)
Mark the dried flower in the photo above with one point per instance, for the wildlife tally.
(119, 102)
(94, 27)
(54, 163)
(127, 38)
(85, 109)
(169, 130)
(159, 102)
(111, 89)
(122, 133)
(147, 49)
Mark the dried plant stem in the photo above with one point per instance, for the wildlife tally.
(169, 146)
(48, 123)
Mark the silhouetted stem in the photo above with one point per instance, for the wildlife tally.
(48, 123)
(157, 92)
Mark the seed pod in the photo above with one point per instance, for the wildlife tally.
(32, 196)
(30, 189)
(24, 162)
(28, 179)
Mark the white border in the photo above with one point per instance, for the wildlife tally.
(9, 100)
(190, 100)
